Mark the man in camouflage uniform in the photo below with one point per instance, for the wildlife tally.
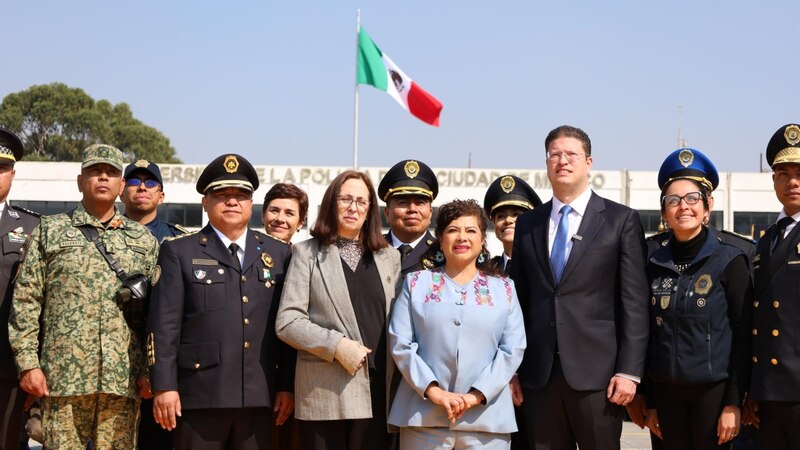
(90, 358)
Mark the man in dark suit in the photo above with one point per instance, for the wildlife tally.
(214, 358)
(408, 189)
(774, 398)
(16, 225)
(579, 264)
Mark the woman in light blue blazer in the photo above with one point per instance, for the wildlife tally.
(457, 336)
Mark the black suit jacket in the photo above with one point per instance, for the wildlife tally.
(598, 313)
(16, 225)
(413, 262)
(776, 319)
(212, 325)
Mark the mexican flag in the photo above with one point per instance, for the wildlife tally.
(377, 70)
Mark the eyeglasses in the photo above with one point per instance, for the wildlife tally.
(135, 182)
(346, 201)
(692, 198)
(571, 156)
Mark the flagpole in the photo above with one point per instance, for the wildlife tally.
(355, 112)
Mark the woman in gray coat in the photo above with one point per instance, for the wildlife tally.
(337, 294)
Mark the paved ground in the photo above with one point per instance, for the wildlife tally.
(632, 438)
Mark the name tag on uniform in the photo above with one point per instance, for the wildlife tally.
(204, 262)
(17, 237)
(65, 244)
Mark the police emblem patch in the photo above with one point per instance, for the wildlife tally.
(507, 184)
(666, 283)
(686, 157)
(792, 134)
(199, 274)
(141, 163)
(267, 259)
(411, 168)
(664, 301)
(231, 164)
(156, 275)
(703, 284)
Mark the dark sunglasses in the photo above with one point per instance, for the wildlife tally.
(135, 182)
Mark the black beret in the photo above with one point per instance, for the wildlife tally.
(783, 147)
(10, 147)
(510, 190)
(409, 177)
(226, 171)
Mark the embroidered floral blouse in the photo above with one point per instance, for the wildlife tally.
(462, 337)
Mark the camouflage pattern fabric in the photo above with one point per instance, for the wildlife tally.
(86, 347)
(109, 420)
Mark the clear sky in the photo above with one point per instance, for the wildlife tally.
(274, 81)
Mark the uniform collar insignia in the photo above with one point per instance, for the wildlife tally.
(12, 213)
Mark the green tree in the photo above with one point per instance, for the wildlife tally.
(56, 122)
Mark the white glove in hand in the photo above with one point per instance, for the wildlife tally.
(350, 355)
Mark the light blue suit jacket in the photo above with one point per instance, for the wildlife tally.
(462, 337)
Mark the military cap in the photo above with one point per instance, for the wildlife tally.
(409, 177)
(102, 154)
(688, 164)
(783, 147)
(226, 171)
(10, 147)
(145, 166)
(510, 190)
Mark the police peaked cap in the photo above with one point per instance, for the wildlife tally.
(229, 170)
(510, 190)
(409, 177)
(10, 147)
(784, 147)
(688, 164)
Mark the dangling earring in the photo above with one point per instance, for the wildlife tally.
(663, 225)
(481, 258)
(705, 220)
(438, 257)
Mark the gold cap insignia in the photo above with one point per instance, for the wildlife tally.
(231, 164)
(266, 259)
(703, 284)
(507, 183)
(411, 168)
(141, 163)
(792, 134)
(686, 157)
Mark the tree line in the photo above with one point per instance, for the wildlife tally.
(56, 122)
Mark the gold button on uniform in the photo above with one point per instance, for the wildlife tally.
(246, 344)
(755, 304)
(247, 321)
(776, 304)
(245, 299)
(755, 360)
(755, 332)
(244, 278)
(775, 333)
(196, 365)
(773, 361)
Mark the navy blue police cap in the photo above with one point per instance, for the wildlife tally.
(409, 177)
(145, 166)
(688, 164)
(510, 190)
(10, 147)
(229, 170)
(784, 147)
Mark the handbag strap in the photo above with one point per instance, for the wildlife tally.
(93, 236)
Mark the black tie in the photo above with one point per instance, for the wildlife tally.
(507, 269)
(405, 249)
(781, 225)
(234, 248)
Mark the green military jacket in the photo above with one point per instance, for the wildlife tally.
(86, 345)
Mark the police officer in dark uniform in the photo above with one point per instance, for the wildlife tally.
(774, 397)
(142, 194)
(408, 189)
(16, 225)
(144, 191)
(507, 197)
(217, 369)
(697, 370)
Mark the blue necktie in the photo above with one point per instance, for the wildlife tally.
(558, 255)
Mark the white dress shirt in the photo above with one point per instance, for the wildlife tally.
(241, 242)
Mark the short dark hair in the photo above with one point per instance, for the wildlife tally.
(569, 131)
(327, 226)
(457, 209)
(286, 190)
(700, 188)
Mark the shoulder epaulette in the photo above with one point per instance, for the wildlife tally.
(26, 211)
(181, 236)
(740, 236)
(273, 237)
(179, 228)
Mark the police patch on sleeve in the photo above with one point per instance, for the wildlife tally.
(156, 275)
